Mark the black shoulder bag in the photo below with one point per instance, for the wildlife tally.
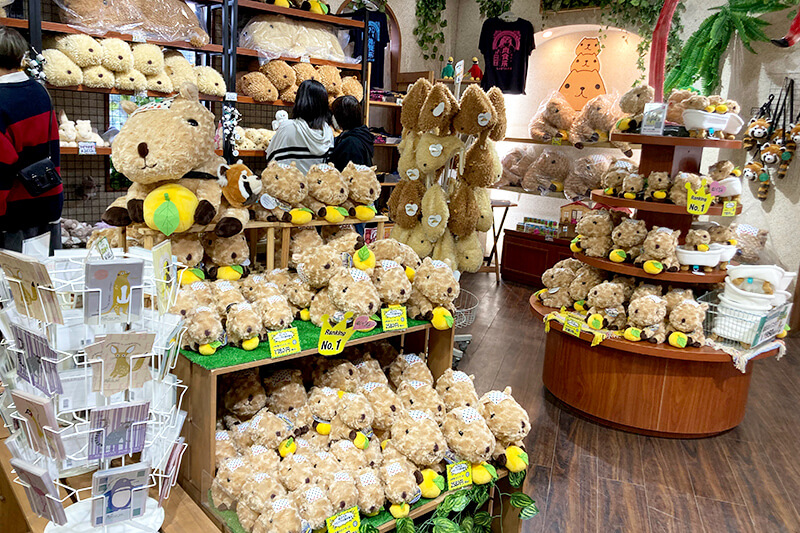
(41, 176)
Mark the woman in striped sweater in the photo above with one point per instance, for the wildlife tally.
(28, 133)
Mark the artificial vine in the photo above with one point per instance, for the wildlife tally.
(459, 511)
(702, 53)
(494, 8)
(429, 30)
(367, 4)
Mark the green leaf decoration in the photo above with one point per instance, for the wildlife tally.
(492, 470)
(167, 218)
(363, 253)
(479, 494)
(374, 210)
(482, 519)
(444, 525)
(461, 501)
(439, 482)
(446, 506)
(238, 268)
(449, 321)
(528, 512)
(307, 210)
(520, 500)
(198, 272)
(404, 525)
(342, 211)
(466, 524)
(215, 344)
(524, 457)
(366, 527)
(516, 478)
(375, 317)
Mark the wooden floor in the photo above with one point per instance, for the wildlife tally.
(587, 478)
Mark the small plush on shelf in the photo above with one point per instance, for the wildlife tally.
(448, 71)
(606, 309)
(632, 104)
(659, 251)
(646, 319)
(475, 72)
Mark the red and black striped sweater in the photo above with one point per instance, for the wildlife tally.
(25, 111)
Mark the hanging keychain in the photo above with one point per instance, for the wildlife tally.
(759, 126)
(787, 152)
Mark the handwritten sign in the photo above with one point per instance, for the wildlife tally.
(87, 148)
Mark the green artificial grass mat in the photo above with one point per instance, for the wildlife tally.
(309, 338)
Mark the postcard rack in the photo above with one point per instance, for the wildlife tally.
(105, 389)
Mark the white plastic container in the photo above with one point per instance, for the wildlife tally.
(694, 119)
(733, 186)
(746, 301)
(780, 298)
(735, 123)
(726, 251)
(771, 273)
(686, 256)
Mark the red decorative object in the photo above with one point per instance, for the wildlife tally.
(658, 48)
(791, 38)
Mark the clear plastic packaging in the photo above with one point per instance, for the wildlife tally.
(159, 20)
(275, 36)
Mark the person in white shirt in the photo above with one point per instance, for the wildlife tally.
(307, 138)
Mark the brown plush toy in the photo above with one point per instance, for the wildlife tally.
(595, 121)
(435, 213)
(481, 163)
(391, 282)
(606, 309)
(476, 114)
(331, 79)
(257, 86)
(405, 203)
(685, 326)
(678, 193)
(407, 367)
(469, 253)
(557, 282)
(659, 251)
(498, 132)
(241, 187)
(464, 212)
(553, 121)
(279, 74)
(226, 256)
(244, 395)
(352, 87)
(286, 188)
(658, 186)
(203, 327)
(412, 105)
(456, 389)
(327, 189)
(506, 418)
(646, 319)
(547, 172)
(585, 279)
(628, 237)
(676, 105)
(416, 435)
(392, 250)
(632, 104)
(594, 233)
(422, 396)
(305, 71)
(438, 111)
(364, 188)
(351, 290)
(385, 404)
(243, 325)
(468, 435)
(433, 151)
(698, 239)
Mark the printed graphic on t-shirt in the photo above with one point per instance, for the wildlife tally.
(374, 37)
(504, 44)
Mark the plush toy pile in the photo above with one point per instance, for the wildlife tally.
(373, 429)
(72, 132)
(79, 59)
(557, 122)
(75, 234)
(681, 100)
(331, 274)
(277, 80)
(252, 138)
(275, 36)
(646, 311)
(437, 215)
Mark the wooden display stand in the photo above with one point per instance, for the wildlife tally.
(526, 256)
(637, 386)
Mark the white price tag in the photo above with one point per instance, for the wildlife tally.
(231, 97)
(138, 37)
(87, 148)
(305, 59)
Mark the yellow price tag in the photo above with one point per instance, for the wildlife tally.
(332, 339)
(572, 326)
(556, 141)
(394, 318)
(347, 521)
(729, 208)
(698, 201)
(283, 342)
(459, 475)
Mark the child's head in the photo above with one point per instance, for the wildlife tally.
(311, 104)
(12, 48)
(347, 112)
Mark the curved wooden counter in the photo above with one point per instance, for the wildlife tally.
(644, 388)
(629, 269)
(653, 207)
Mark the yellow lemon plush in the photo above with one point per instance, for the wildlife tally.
(595, 321)
(410, 273)
(170, 209)
(250, 344)
(230, 273)
(442, 319)
(323, 428)
(361, 441)
(653, 267)
(516, 459)
(432, 484)
(678, 339)
(633, 334)
(580, 305)
(190, 275)
(575, 245)
(365, 213)
(301, 216)
(483, 473)
(618, 256)
(364, 259)
(305, 315)
(207, 349)
(660, 195)
(335, 214)
(399, 510)
(287, 447)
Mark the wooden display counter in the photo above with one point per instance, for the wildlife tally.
(644, 388)
(526, 256)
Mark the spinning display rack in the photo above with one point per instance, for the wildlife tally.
(652, 389)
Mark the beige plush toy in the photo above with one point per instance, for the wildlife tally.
(435, 283)
(421, 395)
(351, 290)
(557, 283)
(257, 86)
(281, 516)
(83, 49)
(553, 120)
(305, 71)
(476, 114)
(594, 233)
(331, 79)
(341, 490)
(132, 80)
(280, 74)
(160, 83)
(412, 105)
(469, 253)
(287, 189)
(645, 289)
(276, 313)
(406, 367)
(148, 59)
(203, 327)
(585, 279)
(327, 190)
(209, 81)
(595, 121)
(268, 430)
(632, 104)
(437, 113)
(481, 165)
(179, 69)
(352, 87)
(506, 418)
(391, 282)
(686, 324)
(416, 435)
(353, 416)
(364, 188)
(676, 104)
(659, 251)
(60, 70)
(628, 237)
(227, 485)
(606, 309)
(434, 151)
(370, 491)
(456, 389)
(244, 395)
(468, 435)
(385, 404)
(547, 172)
(658, 186)
(243, 325)
(498, 132)
(117, 55)
(646, 319)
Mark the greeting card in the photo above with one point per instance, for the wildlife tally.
(113, 291)
(39, 413)
(164, 270)
(41, 491)
(120, 494)
(36, 360)
(117, 430)
(119, 361)
(31, 286)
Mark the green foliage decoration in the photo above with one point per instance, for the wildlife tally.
(429, 30)
(494, 8)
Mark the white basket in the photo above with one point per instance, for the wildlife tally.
(466, 309)
(728, 325)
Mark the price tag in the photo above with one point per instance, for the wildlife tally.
(231, 97)
(305, 59)
(347, 521)
(106, 254)
(283, 342)
(572, 325)
(556, 141)
(729, 208)
(87, 148)
(459, 71)
(394, 318)
(332, 339)
(459, 475)
(716, 188)
(138, 37)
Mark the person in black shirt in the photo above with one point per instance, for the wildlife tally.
(355, 143)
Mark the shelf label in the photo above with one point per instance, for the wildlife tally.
(459, 475)
(347, 521)
(138, 36)
(698, 201)
(305, 59)
(729, 208)
(394, 318)
(231, 97)
(283, 342)
(332, 339)
(87, 148)
(572, 325)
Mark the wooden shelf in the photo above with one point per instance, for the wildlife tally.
(665, 140)
(250, 52)
(249, 100)
(704, 353)
(628, 269)
(300, 14)
(57, 27)
(73, 150)
(391, 184)
(451, 80)
(386, 145)
(523, 140)
(380, 103)
(152, 94)
(653, 207)
(254, 224)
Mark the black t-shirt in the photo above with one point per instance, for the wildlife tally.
(505, 47)
(378, 39)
